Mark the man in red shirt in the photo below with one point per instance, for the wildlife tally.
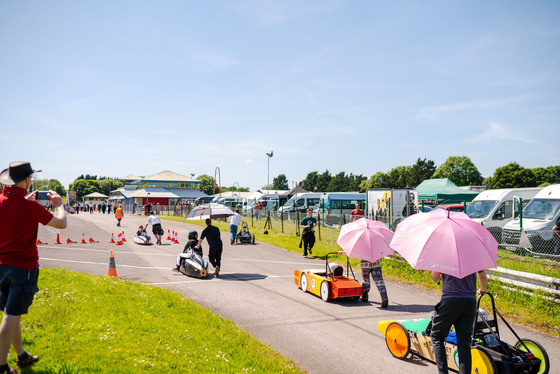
(356, 213)
(20, 216)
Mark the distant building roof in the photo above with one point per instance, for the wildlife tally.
(168, 176)
(165, 193)
(131, 177)
(95, 195)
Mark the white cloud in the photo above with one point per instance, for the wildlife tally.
(500, 132)
(434, 112)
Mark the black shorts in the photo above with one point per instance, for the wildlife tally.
(17, 289)
(157, 230)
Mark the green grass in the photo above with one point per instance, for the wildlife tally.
(533, 312)
(90, 324)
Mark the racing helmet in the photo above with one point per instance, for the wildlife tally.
(193, 235)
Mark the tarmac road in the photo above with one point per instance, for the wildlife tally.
(256, 290)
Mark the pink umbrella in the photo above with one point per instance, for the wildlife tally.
(365, 239)
(445, 241)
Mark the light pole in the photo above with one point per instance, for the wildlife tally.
(268, 172)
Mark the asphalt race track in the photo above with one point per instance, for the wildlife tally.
(256, 290)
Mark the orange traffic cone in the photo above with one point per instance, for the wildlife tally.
(69, 241)
(112, 272)
(58, 239)
(123, 238)
(119, 240)
(112, 239)
(83, 239)
(39, 241)
(93, 241)
(168, 236)
(175, 238)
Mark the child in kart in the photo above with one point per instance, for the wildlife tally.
(190, 246)
(143, 235)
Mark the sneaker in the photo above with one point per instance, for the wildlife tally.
(310, 252)
(27, 361)
(365, 298)
(232, 241)
(217, 272)
(384, 301)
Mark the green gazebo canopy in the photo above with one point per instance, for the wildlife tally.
(444, 189)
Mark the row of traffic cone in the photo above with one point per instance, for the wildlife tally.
(173, 237)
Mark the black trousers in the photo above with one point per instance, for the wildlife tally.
(215, 255)
(459, 312)
(308, 241)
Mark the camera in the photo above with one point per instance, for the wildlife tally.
(42, 195)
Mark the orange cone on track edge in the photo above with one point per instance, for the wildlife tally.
(69, 241)
(123, 238)
(91, 240)
(112, 271)
(112, 239)
(58, 239)
(39, 241)
(168, 236)
(83, 239)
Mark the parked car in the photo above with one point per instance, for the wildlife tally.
(452, 207)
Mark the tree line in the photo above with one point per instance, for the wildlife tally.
(459, 169)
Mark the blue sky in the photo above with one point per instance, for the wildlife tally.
(119, 87)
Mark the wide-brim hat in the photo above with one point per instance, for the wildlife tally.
(17, 172)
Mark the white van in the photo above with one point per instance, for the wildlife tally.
(300, 201)
(495, 208)
(538, 219)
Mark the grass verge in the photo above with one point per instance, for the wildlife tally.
(82, 323)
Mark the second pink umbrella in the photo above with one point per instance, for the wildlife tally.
(365, 239)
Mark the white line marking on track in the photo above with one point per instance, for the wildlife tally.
(105, 264)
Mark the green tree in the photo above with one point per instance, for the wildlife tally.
(280, 183)
(84, 187)
(338, 183)
(377, 181)
(323, 181)
(55, 185)
(399, 177)
(513, 176)
(421, 170)
(108, 185)
(48, 184)
(207, 184)
(460, 170)
(310, 180)
(548, 175)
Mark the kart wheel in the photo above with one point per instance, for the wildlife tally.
(539, 352)
(482, 362)
(253, 238)
(303, 282)
(397, 340)
(325, 290)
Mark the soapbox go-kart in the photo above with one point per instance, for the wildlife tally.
(489, 353)
(330, 283)
(244, 236)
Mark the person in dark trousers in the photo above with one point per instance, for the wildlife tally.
(212, 235)
(308, 235)
(458, 308)
(20, 216)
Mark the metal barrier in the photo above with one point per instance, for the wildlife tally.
(517, 281)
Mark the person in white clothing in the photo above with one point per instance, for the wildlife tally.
(234, 222)
(156, 226)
